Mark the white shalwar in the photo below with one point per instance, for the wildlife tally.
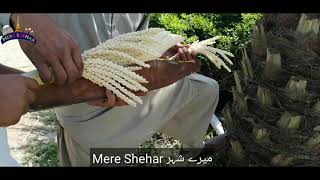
(5, 157)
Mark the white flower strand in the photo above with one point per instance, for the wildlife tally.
(209, 56)
(134, 68)
(210, 41)
(222, 53)
(129, 80)
(141, 52)
(117, 78)
(103, 83)
(114, 77)
(210, 52)
(100, 62)
(112, 63)
(115, 56)
(134, 39)
(122, 89)
(126, 77)
(121, 78)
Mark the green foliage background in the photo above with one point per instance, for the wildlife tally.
(234, 29)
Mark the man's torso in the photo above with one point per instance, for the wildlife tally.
(92, 29)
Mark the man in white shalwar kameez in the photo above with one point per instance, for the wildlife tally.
(182, 110)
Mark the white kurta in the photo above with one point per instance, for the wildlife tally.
(182, 110)
(5, 158)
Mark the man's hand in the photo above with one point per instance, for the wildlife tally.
(107, 102)
(16, 94)
(182, 53)
(56, 55)
(111, 100)
(159, 75)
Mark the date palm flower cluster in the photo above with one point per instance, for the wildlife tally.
(112, 63)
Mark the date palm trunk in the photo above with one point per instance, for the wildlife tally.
(274, 119)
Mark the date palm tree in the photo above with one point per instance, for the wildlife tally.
(274, 119)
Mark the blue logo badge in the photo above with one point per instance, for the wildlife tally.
(19, 34)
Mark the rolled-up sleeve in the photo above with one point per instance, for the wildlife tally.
(4, 20)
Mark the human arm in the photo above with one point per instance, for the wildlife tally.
(16, 94)
(8, 70)
(55, 55)
(160, 74)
